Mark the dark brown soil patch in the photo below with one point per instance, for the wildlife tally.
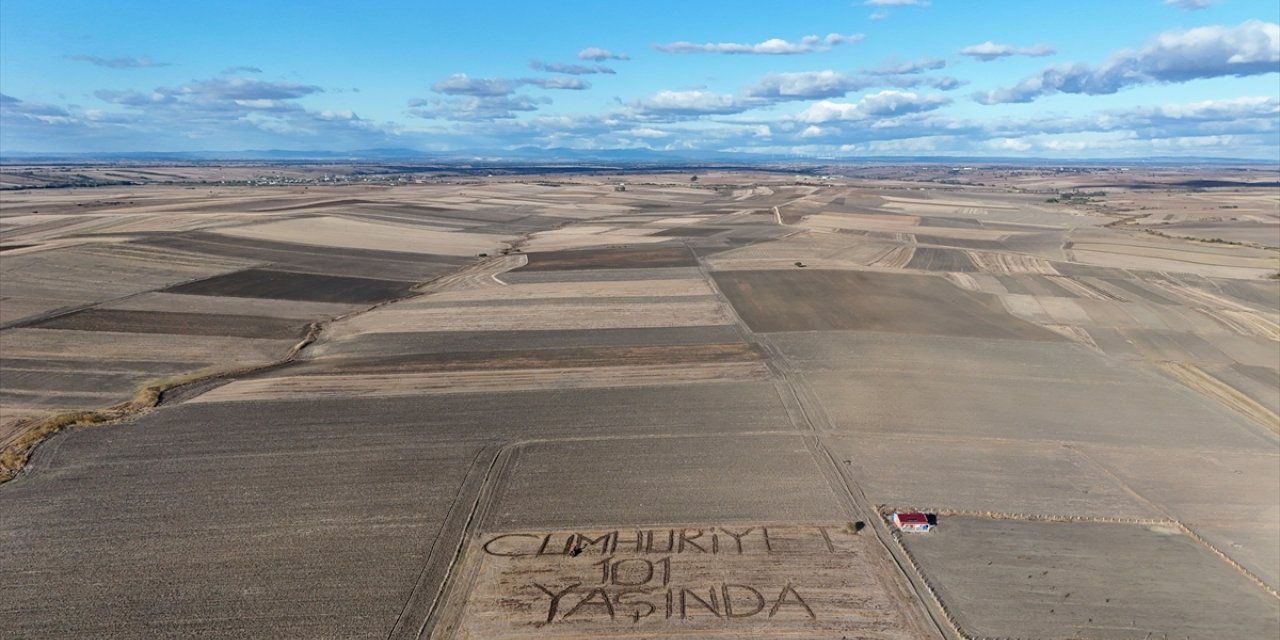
(191, 324)
(540, 359)
(287, 285)
(610, 259)
(690, 232)
(937, 259)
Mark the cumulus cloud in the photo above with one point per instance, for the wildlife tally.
(893, 67)
(885, 104)
(569, 84)
(12, 107)
(487, 99)
(648, 132)
(942, 83)
(688, 103)
(805, 85)
(1254, 116)
(142, 62)
(230, 71)
(217, 112)
(570, 69)
(599, 55)
(460, 84)
(813, 85)
(1250, 48)
(476, 107)
(988, 51)
(892, 122)
(772, 46)
(1228, 116)
(1008, 144)
(133, 98)
(889, 122)
(1189, 5)
(243, 91)
(1224, 109)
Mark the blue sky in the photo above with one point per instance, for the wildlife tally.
(1117, 78)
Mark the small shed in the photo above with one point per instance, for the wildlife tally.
(914, 522)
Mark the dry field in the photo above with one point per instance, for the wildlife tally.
(539, 406)
(1011, 578)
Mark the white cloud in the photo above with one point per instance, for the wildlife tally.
(1226, 109)
(213, 92)
(885, 104)
(1250, 48)
(804, 85)
(988, 51)
(1009, 144)
(688, 103)
(476, 108)
(1037, 50)
(597, 54)
(215, 112)
(812, 85)
(893, 67)
(460, 84)
(772, 46)
(570, 84)
(649, 132)
(571, 69)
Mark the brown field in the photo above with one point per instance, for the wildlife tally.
(307, 409)
(609, 259)
(1085, 579)
(286, 285)
(814, 300)
(177, 322)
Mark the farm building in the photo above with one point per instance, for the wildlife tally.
(914, 521)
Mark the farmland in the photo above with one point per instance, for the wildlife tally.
(541, 406)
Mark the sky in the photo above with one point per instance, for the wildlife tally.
(1081, 79)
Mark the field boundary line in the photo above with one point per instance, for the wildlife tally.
(885, 510)
(435, 557)
(909, 570)
(1182, 526)
(911, 562)
(438, 613)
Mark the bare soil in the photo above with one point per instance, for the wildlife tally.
(288, 285)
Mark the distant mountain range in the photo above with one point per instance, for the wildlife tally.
(538, 155)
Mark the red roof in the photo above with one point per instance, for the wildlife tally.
(912, 518)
